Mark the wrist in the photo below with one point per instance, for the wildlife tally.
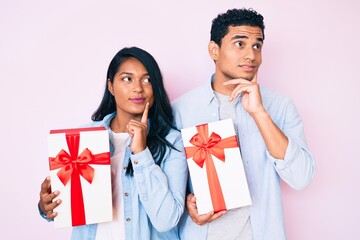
(137, 150)
(262, 113)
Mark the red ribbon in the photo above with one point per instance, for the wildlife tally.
(71, 167)
(204, 147)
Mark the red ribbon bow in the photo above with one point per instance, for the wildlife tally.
(204, 147)
(71, 167)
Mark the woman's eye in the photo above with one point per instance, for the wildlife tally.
(126, 79)
(146, 80)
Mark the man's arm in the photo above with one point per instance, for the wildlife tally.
(286, 147)
(275, 140)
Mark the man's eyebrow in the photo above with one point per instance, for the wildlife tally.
(239, 37)
(245, 37)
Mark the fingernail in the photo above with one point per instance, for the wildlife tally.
(58, 201)
(56, 192)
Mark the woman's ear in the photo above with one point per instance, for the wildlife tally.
(213, 49)
(110, 87)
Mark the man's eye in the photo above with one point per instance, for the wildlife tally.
(257, 46)
(239, 44)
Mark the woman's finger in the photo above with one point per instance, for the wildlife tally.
(144, 117)
(45, 186)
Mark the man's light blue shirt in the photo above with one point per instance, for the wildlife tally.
(263, 172)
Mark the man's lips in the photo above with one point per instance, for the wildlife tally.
(137, 100)
(247, 68)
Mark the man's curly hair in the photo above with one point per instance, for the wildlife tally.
(235, 17)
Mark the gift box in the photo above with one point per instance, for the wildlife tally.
(80, 169)
(215, 166)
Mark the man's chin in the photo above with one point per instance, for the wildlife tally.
(248, 77)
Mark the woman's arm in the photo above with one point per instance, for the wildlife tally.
(162, 190)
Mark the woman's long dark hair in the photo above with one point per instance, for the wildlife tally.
(160, 114)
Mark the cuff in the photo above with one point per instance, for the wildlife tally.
(43, 215)
(141, 160)
(291, 152)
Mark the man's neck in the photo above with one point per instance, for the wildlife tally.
(218, 86)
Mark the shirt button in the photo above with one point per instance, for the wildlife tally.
(128, 219)
(126, 194)
(125, 167)
(136, 162)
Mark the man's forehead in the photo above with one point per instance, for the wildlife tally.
(245, 30)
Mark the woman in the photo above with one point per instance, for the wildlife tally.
(149, 169)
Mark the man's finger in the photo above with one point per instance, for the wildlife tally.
(191, 198)
(202, 218)
(237, 82)
(144, 117)
(216, 215)
(254, 80)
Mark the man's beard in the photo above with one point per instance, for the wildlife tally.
(230, 76)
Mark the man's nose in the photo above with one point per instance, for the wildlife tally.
(249, 54)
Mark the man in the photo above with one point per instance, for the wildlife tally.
(269, 131)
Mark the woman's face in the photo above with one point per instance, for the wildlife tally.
(132, 89)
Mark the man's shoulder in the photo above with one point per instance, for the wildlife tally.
(272, 96)
(190, 95)
(275, 103)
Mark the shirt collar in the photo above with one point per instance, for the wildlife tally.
(210, 91)
(211, 94)
(107, 119)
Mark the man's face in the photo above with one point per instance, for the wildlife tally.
(240, 53)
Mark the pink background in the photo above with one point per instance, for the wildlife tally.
(53, 60)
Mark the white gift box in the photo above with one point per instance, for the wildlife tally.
(80, 169)
(215, 165)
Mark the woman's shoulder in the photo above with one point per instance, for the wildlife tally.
(173, 136)
(105, 122)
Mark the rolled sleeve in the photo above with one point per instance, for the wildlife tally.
(142, 160)
(290, 155)
(297, 167)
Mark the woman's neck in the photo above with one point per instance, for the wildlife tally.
(120, 121)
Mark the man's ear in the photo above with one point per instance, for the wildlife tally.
(110, 87)
(213, 49)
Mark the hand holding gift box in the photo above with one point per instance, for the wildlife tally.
(215, 166)
(79, 162)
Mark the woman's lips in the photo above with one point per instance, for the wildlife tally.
(137, 100)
